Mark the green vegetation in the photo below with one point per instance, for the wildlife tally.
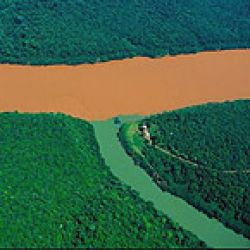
(201, 154)
(57, 192)
(84, 31)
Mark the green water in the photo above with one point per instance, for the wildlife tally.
(210, 231)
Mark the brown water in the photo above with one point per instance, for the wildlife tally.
(130, 86)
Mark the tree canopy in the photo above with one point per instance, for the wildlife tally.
(83, 31)
(56, 191)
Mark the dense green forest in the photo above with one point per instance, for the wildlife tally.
(84, 31)
(55, 191)
(201, 154)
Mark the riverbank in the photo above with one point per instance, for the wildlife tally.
(131, 86)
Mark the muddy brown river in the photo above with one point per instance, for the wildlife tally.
(131, 86)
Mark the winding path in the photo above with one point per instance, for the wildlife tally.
(167, 152)
(182, 159)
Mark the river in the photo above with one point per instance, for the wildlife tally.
(130, 86)
(211, 231)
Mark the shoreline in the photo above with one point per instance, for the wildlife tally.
(126, 59)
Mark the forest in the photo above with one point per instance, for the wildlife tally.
(56, 191)
(81, 31)
(201, 154)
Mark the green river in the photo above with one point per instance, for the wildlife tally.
(210, 231)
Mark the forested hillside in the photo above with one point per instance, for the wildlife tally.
(201, 154)
(84, 31)
(57, 192)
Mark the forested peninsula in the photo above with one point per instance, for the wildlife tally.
(201, 154)
(56, 191)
